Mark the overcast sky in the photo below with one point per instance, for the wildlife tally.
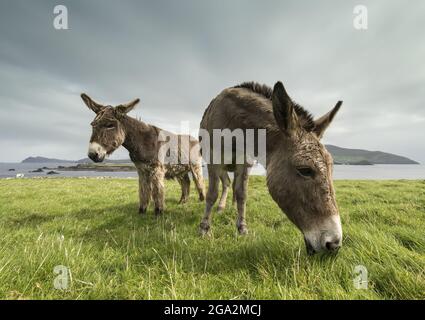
(177, 55)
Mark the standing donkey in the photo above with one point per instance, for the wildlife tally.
(299, 168)
(112, 128)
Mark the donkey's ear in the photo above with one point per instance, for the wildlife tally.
(283, 109)
(96, 107)
(126, 108)
(323, 122)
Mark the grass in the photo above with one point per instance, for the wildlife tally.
(92, 227)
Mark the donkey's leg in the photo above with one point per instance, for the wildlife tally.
(225, 182)
(241, 189)
(145, 190)
(212, 195)
(198, 178)
(233, 191)
(180, 181)
(158, 193)
(185, 186)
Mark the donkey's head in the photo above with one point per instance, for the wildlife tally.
(108, 132)
(299, 173)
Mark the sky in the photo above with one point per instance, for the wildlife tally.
(176, 56)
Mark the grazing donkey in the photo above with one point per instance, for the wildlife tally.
(112, 128)
(299, 168)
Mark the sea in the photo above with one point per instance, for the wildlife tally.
(341, 172)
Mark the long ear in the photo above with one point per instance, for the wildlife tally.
(126, 108)
(323, 122)
(283, 109)
(96, 107)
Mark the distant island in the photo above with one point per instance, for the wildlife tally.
(44, 160)
(59, 161)
(365, 157)
(341, 156)
(103, 167)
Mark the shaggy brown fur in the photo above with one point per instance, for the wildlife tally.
(299, 169)
(112, 127)
(305, 118)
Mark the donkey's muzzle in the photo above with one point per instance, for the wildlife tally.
(96, 152)
(329, 245)
(96, 157)
(309, 247)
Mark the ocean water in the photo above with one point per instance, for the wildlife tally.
(341, 172)
(380, 172)
(26, 168)
(375, 172)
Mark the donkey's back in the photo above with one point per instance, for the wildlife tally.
(238, 108)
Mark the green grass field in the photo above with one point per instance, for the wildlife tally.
(92, 227)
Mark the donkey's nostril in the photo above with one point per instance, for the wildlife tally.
(333, 245)
(94, 156)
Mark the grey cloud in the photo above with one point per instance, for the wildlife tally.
(177, 55)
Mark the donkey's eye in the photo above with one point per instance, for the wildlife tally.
(306, 172)
(110, 126)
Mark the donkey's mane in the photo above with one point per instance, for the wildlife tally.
(306, 118)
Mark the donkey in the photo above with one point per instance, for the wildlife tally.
(112, 127)
(299, 168)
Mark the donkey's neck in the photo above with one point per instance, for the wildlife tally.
(136, 134)
(273, 145)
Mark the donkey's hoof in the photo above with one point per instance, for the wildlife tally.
(142, 210)
(158, 211)
(220, 209)
(204, 229)
(243, 230)
(204, 233)
(201, 197)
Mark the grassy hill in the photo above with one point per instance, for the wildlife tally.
(91, 226)
(58, 161)
(44, 160)
(354, 156)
